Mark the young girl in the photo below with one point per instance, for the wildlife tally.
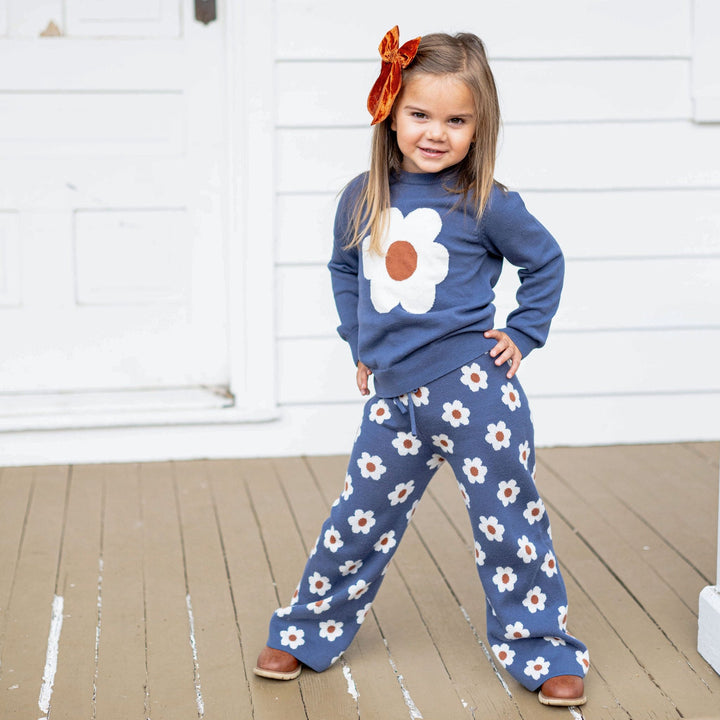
(419, 244)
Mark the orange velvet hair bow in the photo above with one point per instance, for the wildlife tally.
(387, 86)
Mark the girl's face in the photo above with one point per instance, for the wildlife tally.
(434, 118)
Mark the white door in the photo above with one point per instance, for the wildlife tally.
(113, 180)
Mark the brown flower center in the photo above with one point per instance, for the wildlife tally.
(401, 260)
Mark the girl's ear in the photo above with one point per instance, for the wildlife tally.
(393, 124)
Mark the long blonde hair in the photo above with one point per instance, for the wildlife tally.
(462, 55)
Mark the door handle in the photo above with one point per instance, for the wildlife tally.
(205, 11)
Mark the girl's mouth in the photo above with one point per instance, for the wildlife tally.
(431, 153)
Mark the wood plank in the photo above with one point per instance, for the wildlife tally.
(687, 680)
(308, 29)
(709, 450)
(170, 689)
(366, 659)
(326, 94)
(322, 160)
(219, 659)
(79, 583)
(247, 557)
(326, 694)
(689, 520)
(619, 530)
(122, 662)
(29, 608)
(15, 498)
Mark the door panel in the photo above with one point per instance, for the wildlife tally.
(112, 197)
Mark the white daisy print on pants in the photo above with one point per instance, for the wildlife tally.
(508, 491)
(492, 528)
(474, 470)
(410, 265)
(333, 542)
(401, 492)
(584, 659)
(371, 466)
(535, 599)
(361, 521)
(386, 542)
(292, 637)
(379, 412)
(527, 552)
(456, 414)
(516, 631)
(331, 629)
(406, 444)
(474, 377)
(505, 579)
(319, 584)
(537, 668)
(510, 396)
(498, 435)
(504, 654)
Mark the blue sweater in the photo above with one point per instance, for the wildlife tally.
(420, 310)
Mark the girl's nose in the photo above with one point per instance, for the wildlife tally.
(435, 131)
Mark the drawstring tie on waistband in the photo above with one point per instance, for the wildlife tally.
(405, 409)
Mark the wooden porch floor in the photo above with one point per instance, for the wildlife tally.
(143, 591)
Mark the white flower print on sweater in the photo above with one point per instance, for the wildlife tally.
(410, 263)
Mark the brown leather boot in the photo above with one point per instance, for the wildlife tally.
(277, 665)
(563, 691)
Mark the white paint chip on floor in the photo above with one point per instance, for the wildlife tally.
(51, 656)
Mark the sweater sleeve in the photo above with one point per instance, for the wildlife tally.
(344, 267)
(510, 231)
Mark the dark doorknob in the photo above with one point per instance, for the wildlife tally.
(205, 11)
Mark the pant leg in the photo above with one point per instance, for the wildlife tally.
(388, 472)
(486, 420)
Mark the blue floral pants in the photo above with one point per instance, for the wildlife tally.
(478, 421)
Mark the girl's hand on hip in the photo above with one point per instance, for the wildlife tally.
(363, 373)
(504, 350)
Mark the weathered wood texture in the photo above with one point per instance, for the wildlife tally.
(168, 572)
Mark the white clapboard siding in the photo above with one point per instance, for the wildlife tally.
(82, 65)
(593, 364)
(325, 29)
(634, 224)
(312, 94)
(91, 123)
(598, 294)
(706, 62)
(553, 156)
(614, 224)
(305, 227)
(9, 259)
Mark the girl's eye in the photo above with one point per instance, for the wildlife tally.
(419, 115)
(457, 121)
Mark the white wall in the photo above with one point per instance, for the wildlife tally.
(600, 140)
(611, 135)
